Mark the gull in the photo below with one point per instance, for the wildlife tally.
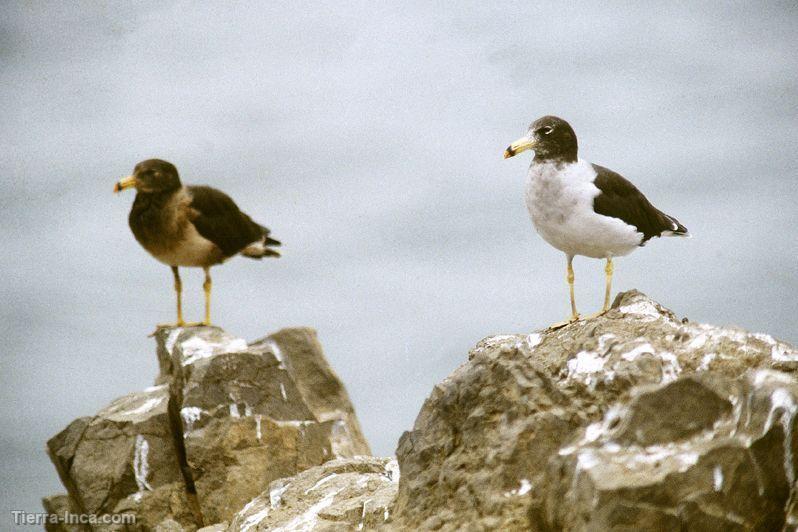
(190, 226)
(584, 209)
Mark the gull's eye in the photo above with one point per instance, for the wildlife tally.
(546, 130)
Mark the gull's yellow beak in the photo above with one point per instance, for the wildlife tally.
(125, 182)
(522, 144)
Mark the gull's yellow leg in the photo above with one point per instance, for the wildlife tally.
(574, 314)
(179, 293)
(207, 287)
(608, 269)
(570, 278)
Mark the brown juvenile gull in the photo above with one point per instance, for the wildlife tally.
(582, 208)
(193, 226)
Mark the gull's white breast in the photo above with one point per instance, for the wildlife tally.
(559, 198)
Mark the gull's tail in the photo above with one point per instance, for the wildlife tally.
(674, 227)
(263, 247)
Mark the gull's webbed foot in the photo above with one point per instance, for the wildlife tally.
(561, 324)
(179, 323)
(596, 314)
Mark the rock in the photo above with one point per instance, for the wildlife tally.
(223, 421)
(321, 389)
(60, 505)
(245, 416)
(632, 420)
(218, 527)
(168, 525)
(123, 460)
(731, 472)
(343, 494)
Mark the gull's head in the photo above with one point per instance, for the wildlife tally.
(551, 137)
(151, 176)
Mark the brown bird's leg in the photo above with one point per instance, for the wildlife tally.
(179, 293)
(207, 287)
(570, 278)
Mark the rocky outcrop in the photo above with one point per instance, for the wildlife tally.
(633, 420)
(225, 419)
(344, 494)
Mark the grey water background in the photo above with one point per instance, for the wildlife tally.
(369, 137)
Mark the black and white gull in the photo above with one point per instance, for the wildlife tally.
(584, 209)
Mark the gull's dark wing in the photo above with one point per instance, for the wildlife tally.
(218, 218)
(619, 198)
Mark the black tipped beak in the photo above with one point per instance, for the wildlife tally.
(122, 184)
(522, 144)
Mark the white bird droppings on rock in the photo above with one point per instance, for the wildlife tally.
(196, 348)
(782, 400)
(307, 520)
(275, 349)
(637, 351)
(717, 478)
(171, 339)
(392, 470)
(585, 366)
(276, 493)
(141, 468)
(321, 482)
(190, 415)
(146, 406)
(533, 340)
(706, 360)
(642, 307)
(254, 519)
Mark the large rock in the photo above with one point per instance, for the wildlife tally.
(123, 460)
(631, 421)
(343, 494)
(702, 452)
(224, 420)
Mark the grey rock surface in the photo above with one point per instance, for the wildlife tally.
(223, 421)
(633, 420)
(343, 494)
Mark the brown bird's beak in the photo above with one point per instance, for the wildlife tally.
(522, 144)
(125, 182)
